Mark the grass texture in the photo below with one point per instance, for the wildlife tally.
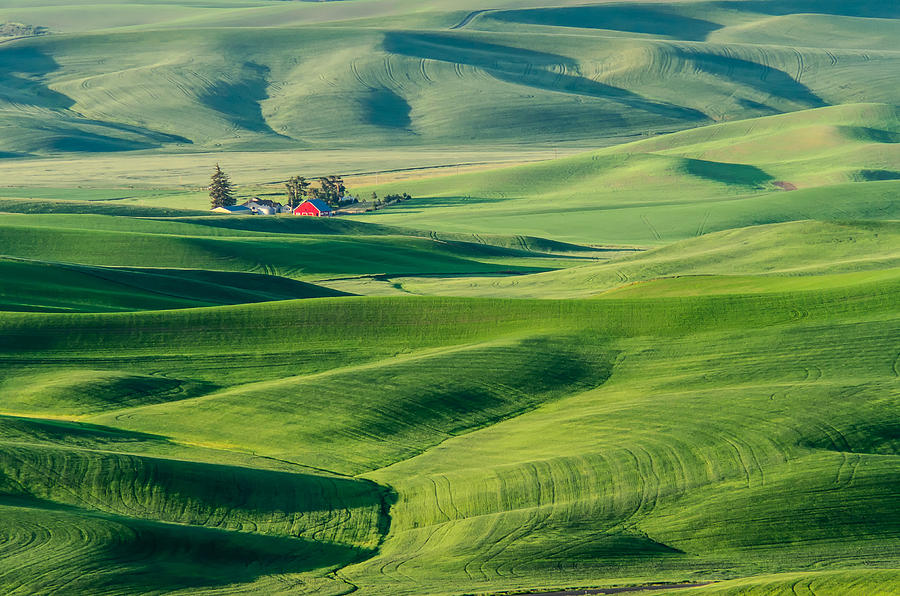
(629, 481)
(667, 355)
(182, 76)
(840, 162)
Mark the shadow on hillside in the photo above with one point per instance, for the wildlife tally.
(751, 106)
(22, 68)
(763, 78)
(875, 175)
(385, 108)
(727, 173)
(650, 19)
(82, 434)
(539, 70)
(19, 205)
(855, 8)
(237, 96)
(150, 556)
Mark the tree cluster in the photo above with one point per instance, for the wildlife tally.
(389, 199)
(331, 189)
(395, 198)
(326, 188)
(297, 190)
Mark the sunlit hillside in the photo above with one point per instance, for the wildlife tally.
(610, 302)
(266, 74)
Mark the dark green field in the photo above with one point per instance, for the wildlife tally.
(639, 323)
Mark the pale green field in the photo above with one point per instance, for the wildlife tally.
(183, 174)
(239, 76)
(602, 346)
(677, 186)
(787, 255)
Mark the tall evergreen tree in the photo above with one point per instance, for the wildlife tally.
(221, 193)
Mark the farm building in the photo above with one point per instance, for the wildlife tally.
(313, 207)
(234, 210)
(265, 206)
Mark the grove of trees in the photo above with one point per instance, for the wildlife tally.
(330, 189)
(327, 188)
(297, 190)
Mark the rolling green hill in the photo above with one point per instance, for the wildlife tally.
(842, 162)
(42, 286)
(638, 325)
(779, 256)
(96, 263)
(243, 75)
(593, 503)
(296, 257)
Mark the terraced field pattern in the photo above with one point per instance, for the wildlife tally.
(639, 324)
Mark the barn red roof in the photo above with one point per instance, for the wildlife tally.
(313, 207)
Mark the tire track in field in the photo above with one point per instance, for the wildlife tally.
(449, 491)
(327, 81)
(539, 517)
(424, 70)
(355, 70)
(649, 504)
(620, 523)
(650, 226)
(437, 500)
(389, 70)
(439, 529)
(740, 459)
(703, 223)
(849, 459)
(800, 65)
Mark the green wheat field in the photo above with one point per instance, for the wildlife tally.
(638, 325)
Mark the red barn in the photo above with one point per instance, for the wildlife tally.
(313, 207)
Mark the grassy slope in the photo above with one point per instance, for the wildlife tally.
(240, 76)
(49, 287)
(748, 447)
(499, 479)
(677, 186)
(640, 474)
(685, 428)
(304, 256)
(799, 250)
(95, 510)
(857, 582)
(697, 285)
